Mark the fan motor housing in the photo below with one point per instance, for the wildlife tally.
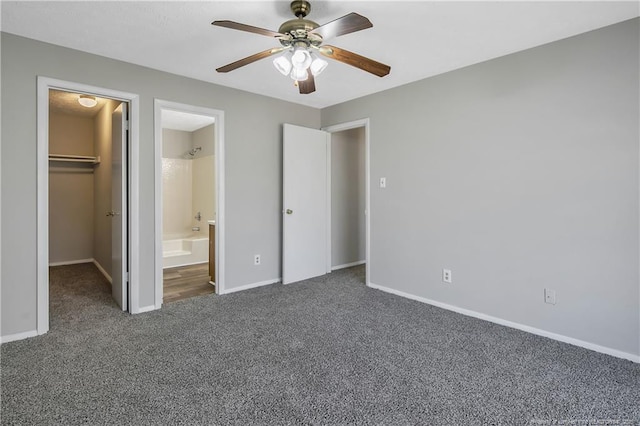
(299, 30)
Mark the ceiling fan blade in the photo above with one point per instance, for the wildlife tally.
(250, 59)
(247, 28)
(307, 86)
(355, 60)
(347, 24)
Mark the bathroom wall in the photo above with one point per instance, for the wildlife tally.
(176, 143)
(204, 177)
(70, 189)
(177, 186)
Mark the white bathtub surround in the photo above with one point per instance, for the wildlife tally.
(203, 187)
(185, 251)
(177, 196)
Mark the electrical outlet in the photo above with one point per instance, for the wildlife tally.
(446, 276)
(256, 259)
(383, 182)
(549, 296)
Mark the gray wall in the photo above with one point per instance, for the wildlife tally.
(517, 174)
(347, 197)
(253, 132)
(70, 189)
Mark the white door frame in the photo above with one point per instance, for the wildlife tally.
(339, 128)
(42, 226)
(158, 106)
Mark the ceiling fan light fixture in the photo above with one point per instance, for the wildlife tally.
(282, 64)
(318, 65)
(87, 101)
(299, 74)
(301, 58)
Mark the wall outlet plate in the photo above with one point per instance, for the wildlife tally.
(256, 259)
(549, 296)
(446, 276)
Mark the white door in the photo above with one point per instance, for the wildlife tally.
(119, 287)
(305, 215)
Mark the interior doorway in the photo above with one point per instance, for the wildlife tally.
(88, 213)
(189, 212)
(326, 198)
(348, 216)
(87, 144)
(350, 195)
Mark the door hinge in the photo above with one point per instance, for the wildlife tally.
(126, 276)
(126, 125)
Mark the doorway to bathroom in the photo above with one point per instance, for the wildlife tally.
(186, 201)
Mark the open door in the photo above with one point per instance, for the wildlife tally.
(305, 204)
(118, 213)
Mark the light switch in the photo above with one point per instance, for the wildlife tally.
(383, 182)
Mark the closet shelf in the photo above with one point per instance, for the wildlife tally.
(74, 158)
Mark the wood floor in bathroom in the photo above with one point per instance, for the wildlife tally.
(183, 282)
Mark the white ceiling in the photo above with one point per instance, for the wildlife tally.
(186, 122)
(67, 103)
(418, 39)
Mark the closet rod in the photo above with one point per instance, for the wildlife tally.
(74, 158)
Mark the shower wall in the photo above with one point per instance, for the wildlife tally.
(204, 177)
(188, 182)
(176, 184)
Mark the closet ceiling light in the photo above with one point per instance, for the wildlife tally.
(87, 101)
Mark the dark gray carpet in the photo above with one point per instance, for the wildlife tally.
(326, 351)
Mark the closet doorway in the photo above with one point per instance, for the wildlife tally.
(87, 202)
(87, 197)
(189, 219)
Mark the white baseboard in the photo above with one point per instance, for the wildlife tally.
(71, 262)
(145, 309)
(18, 336)
(348, 265)
(250, 286)
(101, 269)
(559, 337)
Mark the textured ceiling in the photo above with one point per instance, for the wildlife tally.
(186, 122)
(418, 39)
(67, 103)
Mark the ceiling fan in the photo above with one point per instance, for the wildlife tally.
(301, 41)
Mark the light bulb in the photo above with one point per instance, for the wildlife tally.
(299, 74)
(317, 66)
(87, 101)
(282, 64)
(301, 59)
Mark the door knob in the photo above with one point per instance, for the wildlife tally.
(111, 213)
(289, 211)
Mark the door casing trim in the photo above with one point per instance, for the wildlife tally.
(218, 115)
(364, 122)
(44, 84)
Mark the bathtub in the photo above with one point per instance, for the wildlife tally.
(185, 251)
